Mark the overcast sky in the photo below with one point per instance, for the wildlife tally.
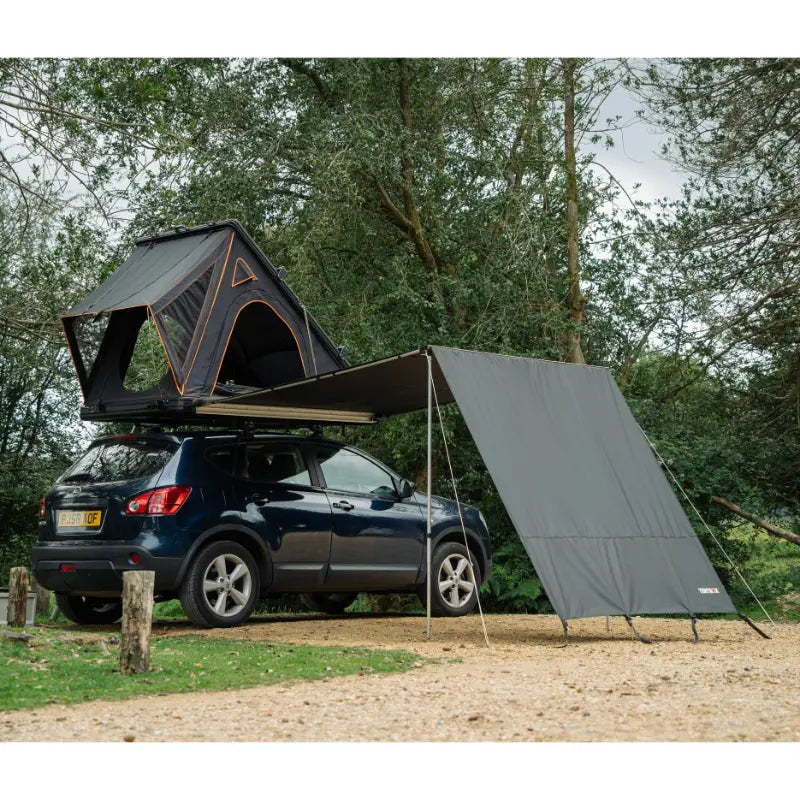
(635, 156)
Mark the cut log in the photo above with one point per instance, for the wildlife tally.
(769, 527)
(42, 600)
(17, 596)
(137, 620)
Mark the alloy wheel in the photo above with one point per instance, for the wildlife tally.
(454, 585)
(227, 585)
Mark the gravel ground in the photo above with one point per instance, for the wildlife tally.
(732, 686)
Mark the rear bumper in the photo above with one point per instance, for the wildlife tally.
(98, 568)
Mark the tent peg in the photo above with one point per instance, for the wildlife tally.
(635, 632)
(754, 626)
(694, 629)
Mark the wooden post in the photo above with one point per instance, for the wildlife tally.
(42, 600)
(137, 618)
(17, 596)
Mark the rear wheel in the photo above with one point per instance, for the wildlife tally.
(333, 603)
(453, 592)
(221, 586)
(89, 610)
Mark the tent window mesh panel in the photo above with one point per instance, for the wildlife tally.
(148, 364)
(180, 318)
(89, 331)
(261, 350)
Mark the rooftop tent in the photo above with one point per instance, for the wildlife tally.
(577, 476)
(192, 314)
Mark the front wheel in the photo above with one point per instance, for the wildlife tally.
(221, 586)
(332, 603)
(454, 593)
(89, 610)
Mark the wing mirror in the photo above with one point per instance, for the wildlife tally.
(406, 489)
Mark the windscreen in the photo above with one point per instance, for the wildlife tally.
(116, 460)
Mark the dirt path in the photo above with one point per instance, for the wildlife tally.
(732, 686)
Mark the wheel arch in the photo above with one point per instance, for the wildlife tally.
(233, 533)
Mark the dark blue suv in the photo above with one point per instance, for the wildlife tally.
(226, 518)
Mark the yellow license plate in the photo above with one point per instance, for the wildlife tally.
(79, 519)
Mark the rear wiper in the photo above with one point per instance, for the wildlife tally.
(79, 477)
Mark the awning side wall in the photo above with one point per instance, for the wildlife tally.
(582, 488)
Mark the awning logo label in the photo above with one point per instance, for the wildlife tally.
(708, 590)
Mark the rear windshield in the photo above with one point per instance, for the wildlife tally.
(120, 461)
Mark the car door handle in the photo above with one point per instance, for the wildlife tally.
(258, 499)
(344, 505)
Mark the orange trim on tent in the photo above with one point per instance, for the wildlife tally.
(182, 388)
(233, 328)
(249, 274)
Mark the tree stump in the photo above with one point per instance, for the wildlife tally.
(137, 619)
(17, 596)
(42, 598)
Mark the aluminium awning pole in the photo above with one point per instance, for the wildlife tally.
(429, 526)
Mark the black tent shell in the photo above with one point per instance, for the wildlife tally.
(225, 318)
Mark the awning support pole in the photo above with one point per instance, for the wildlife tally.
(694, 629)
(428, 531)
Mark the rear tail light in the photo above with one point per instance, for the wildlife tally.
(164, 501)
(42, 509)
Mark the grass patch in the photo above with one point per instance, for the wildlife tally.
(60, 667)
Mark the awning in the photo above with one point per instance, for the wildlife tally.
(587, 497)
(362, 394)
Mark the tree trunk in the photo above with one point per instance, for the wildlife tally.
(575, 300)
(775, 530)
(17, 596)
(137, 618)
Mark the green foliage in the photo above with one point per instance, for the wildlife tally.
(58, 667)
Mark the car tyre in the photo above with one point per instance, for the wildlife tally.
(331, 603)
(449, 597)
(89, 610)
(221, 586)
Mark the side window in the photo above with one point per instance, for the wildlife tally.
(348, 471)
(223, 457)
(274, 463)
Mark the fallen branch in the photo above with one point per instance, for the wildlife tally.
(769, 527)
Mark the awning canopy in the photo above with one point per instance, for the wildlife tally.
(579, 481)
(366, 393)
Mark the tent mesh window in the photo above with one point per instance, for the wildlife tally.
(261, 350)
(148, 364)
(89, 331)
(180, 318)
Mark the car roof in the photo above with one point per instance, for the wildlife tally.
(179, 436)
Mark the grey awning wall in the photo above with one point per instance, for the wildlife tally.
(583, 489)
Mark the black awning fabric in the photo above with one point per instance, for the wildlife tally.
(579, 481)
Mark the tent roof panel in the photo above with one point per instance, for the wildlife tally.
(150, 272)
